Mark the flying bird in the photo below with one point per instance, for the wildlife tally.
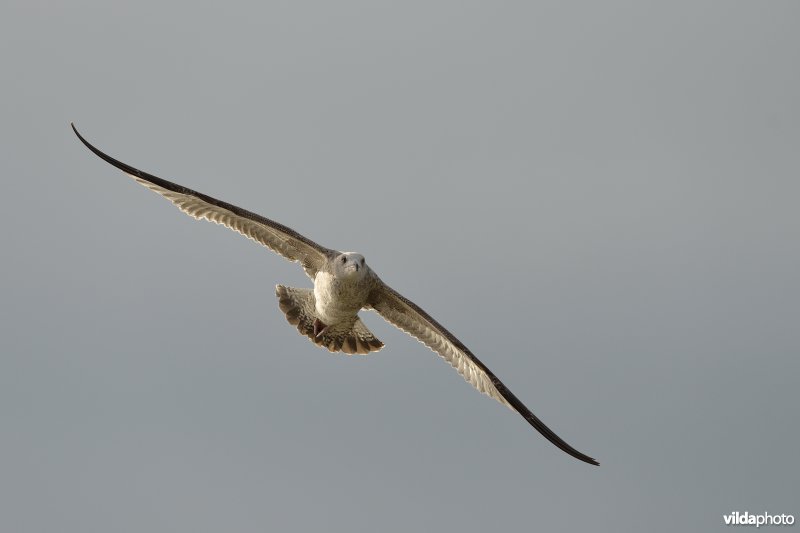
(344, 284)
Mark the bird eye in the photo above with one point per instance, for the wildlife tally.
(344, 259)
(362, 261)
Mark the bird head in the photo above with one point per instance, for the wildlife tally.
(350, 265)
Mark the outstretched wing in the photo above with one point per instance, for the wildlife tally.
(409, 317)
(262, 230)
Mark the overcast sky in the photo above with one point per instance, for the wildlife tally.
(600, 199)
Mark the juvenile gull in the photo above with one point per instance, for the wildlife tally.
(343, 285)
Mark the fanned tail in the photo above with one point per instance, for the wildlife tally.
(350, 337)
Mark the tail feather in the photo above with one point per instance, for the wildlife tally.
(351, 337)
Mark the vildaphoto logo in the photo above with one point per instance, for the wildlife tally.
(764, 519)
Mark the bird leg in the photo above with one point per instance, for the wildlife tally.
(319, 328)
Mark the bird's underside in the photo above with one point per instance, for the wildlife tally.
(350, 337)
(319, 316)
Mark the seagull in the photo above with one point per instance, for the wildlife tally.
(344, 284)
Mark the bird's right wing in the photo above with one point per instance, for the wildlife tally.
(409, 317)
(277, 237)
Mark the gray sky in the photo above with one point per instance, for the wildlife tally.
(600, 199)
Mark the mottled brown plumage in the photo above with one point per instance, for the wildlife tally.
(343, 285)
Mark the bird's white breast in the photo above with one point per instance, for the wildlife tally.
(338, 299)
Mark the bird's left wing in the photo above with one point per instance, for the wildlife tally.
(409, 317)
(277, 237)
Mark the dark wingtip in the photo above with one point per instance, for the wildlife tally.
(119, 164)
(84, 141)
(559, 442)
(540, 426)
(573, 452)
(580, 456)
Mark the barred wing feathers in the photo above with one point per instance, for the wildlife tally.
(409, 317)
(277, 237)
